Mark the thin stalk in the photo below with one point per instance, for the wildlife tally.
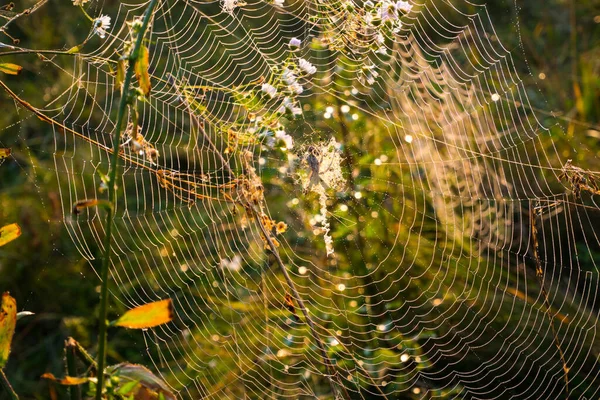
(82, 354)
(112, 194)
(70, 351)
(302, 307)
(7, 387)
(534, 213)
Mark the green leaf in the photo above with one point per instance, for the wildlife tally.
(141, 70)
(9, 233)
(10, 69)
(74, 50)
(128, 387)
(8, 320)
(147, 316)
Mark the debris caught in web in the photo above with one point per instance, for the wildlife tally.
(320, 173)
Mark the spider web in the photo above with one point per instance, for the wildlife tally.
(455, 210)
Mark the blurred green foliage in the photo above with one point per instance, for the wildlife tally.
(558, 57)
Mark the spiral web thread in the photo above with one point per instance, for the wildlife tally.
(433, 230)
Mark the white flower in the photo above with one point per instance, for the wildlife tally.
(229, 5)
(370, 74)
(287, 139)
(269, 89)
(404, 6)
(287, 103)
(101, 24)
(289, 77)
(235, 264)
(387, 11)
(295, 42)
(292, 81)
(306, 66)
(278, 2)
(297, 88)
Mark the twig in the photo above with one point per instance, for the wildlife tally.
(301, 305)
(27, 11)
(7, 387)
(82, 354)
(112, 194)
(70, 351)
(330, 371)
(539, 272)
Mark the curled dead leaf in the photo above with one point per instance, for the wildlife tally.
(67, 380)
(81, 204)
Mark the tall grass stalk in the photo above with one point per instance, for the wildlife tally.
(112, 194)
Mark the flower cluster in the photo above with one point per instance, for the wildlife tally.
(290, 78)
(288, 82)
(364, 31)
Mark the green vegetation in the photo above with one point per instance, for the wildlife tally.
(273, 201)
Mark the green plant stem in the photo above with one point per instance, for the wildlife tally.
(112, 194)
(7, 387)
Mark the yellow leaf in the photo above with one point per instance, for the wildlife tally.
(11, 69)
(147, 316)
(66, 381)
(9, 233)
(74, 50)
(4, 153)
(120, 74)
(8, 319)
(141, 70)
